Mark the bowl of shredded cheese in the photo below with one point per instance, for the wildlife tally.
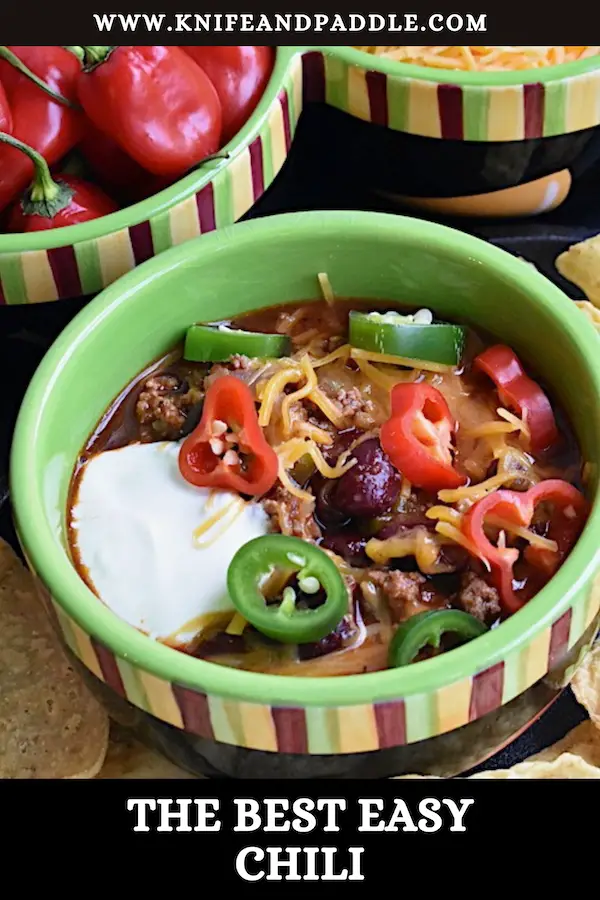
(484, 59)
(479, 131)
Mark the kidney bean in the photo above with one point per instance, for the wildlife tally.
(371, 486)
(328, 515)
(405, 521)
(328, 644)
(349, 545)
(342, 441)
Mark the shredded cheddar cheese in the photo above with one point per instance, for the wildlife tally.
(475, 492)
(423, 364)
(453, 517)
(300, 394)
(425, 548)
(383, 379)
(314, 433)
(536, 540)
(340, 353)
(291, 451)
(236, 507)
(327, 406)
(456, 535)
(296, 448)
(269, 393)
(326, 288)
(237, 626)
(292, 487)
(478, 59)
(444, 514)
(489, 429)
(518, 424)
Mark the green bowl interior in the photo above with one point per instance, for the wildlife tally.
(263, 263)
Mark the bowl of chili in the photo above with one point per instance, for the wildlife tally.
(422, 710)
(480, 143)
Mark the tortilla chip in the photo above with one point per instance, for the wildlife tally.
(426, 777)
(591, 311)
(50, 724)
(586, 685)
(581, 265)
(583, 741)
(567, 765)
(126, 758)
(578, 752)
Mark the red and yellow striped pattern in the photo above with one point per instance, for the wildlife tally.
(345, 729)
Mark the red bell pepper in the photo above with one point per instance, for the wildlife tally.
(566, 523)
(418, 437)
(240, 76)
(51, 203)
(39, 120)
(5, 113)
(117, 172)
(228, 449)
(520, 393)
(155, 103)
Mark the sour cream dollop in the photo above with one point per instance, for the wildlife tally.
(157, 549)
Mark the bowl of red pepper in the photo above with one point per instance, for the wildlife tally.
(340, 523)
(111, 155)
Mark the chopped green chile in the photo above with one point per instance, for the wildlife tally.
(427, 629)
(284, 619)
(218, 343)
(393, 334)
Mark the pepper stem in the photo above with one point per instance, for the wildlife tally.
(96, 55)
(212, 158)
(46, 196)
(76, 51)
(16, 63)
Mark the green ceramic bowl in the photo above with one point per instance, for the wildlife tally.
(384, 722)
(471, 143)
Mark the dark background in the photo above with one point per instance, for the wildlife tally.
(505, 19)
(319, 174)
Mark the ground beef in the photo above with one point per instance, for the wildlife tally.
(290, 515)
(358, 410)
(478, 598)
(236, 365)
(407, 593)
(167, 407)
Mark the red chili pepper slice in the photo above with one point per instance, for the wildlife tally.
(418, 437)
(39, 121)
(237, 458)
(570, 507)
(520, 393)
(156, 103)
